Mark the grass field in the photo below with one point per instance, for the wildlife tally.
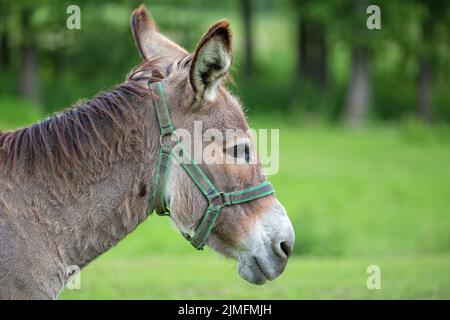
(207, 276)
(356, 198)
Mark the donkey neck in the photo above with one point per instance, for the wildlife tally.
(79, 214)
(118, 197)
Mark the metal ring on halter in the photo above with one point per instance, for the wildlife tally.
(219, 200)
(174, 133)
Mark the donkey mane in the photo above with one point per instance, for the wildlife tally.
(63, 141)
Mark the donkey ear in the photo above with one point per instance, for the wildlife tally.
(211, 61)
(150, 43)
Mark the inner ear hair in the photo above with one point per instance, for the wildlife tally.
(212, 61)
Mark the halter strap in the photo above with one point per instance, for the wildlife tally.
(165, 154)
(171, 147)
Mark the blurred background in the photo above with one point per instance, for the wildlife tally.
(364, 136)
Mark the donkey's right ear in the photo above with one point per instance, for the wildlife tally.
(150, 43)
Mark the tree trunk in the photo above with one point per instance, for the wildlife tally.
(425, 76)
(425, 97)
(312, 52)
(28, 78)
(248, 38)
(4, 51)
(359, 93)
(311, 70)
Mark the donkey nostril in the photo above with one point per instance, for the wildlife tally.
(286, 248)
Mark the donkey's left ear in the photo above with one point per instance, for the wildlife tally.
(211, 62)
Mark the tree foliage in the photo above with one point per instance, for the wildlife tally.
(311, 73)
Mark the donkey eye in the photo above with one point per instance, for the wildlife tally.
(239, 151)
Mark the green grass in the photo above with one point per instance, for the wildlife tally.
(381, 190)
(207, 276)
(375, 196)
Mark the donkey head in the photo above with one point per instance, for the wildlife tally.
(213, 127)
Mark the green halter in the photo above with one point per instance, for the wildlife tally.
(216, 200)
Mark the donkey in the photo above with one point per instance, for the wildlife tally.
(73, 185)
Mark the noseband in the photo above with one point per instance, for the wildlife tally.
(171, 146)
